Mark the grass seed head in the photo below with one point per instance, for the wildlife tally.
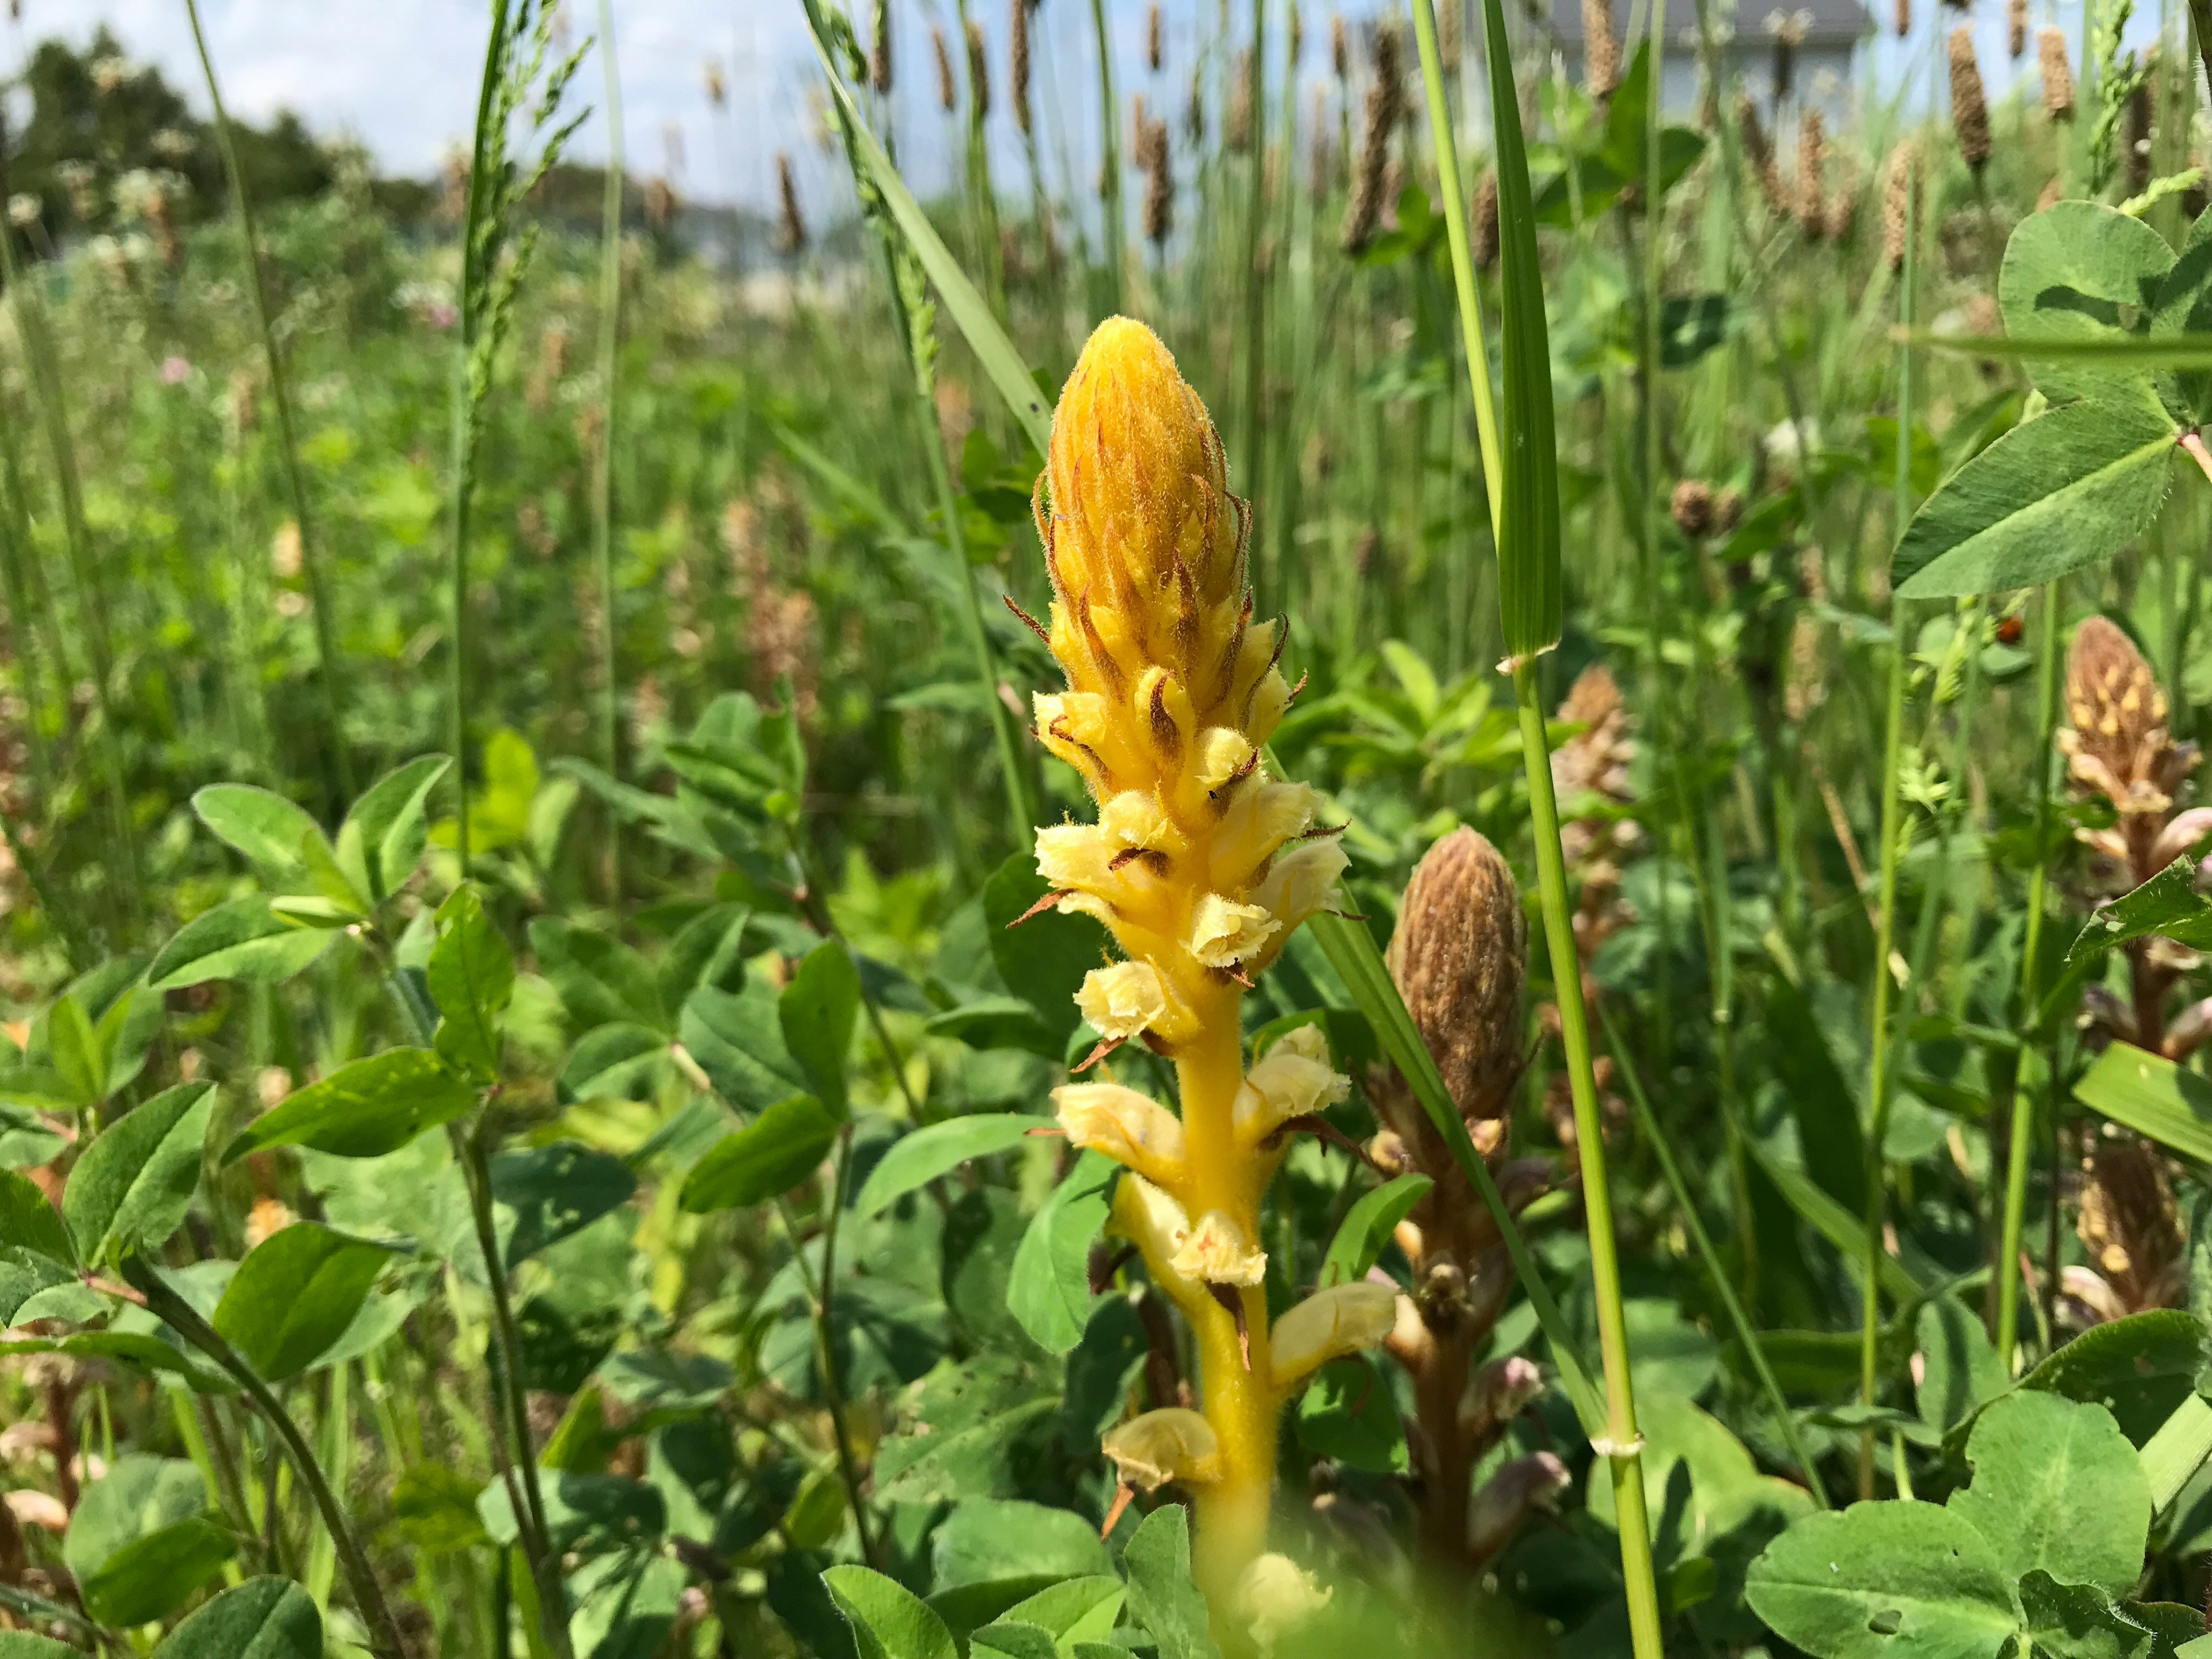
(1759, 153)
(2058, 74)
(1902, 22)
(1159, 182)
(1386, 97)
(1154, 54)
(979, 70)
(1018, 62)
(1601, 49)
(947, 96)
(2015, 27)
(1812, 161)
(1896, 205)
(1236, 130)
(1451, 32)
(1340, 47)
(1483, 234)
(1692, 508)
(791, 236)
(1970, 109)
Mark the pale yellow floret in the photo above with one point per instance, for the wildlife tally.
(1218, 1253)
(1301, 882)
(1329, 1324)
(1129, 1128)
(1074, 856)
(1123, 1000)
(1291, 1079)
(1222, 754)
(1175, 1443)
(1159, 1227)
(1261, 817)
(1135, 818)
(1275, 1596)
(1223, 932)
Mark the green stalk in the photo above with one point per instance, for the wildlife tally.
(2023, 1110)
(1524, 513)
(1884, 914)
(602, 464)
(180, 1316)
(1710, 1260)
(280, 395)
(1110, 133)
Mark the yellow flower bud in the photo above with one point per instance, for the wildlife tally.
(1329, 1324)
(1291, 1079)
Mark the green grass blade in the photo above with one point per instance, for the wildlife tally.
(997, 353)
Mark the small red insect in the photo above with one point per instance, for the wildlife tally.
(2009, 629)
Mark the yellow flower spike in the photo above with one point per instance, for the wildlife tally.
(1200, 865)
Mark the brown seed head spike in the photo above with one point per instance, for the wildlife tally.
(1386, 96)
(1903, 19)
(1484, 235)
(2058, 74)
(792, 237)
(1340, 47)
(1018, 62)
(1896, 191)
(1970, 109)
(1759, 154)
(1692, 508)
(1237, 128)
(1601, 50)
(1152, 40)
(2016, 27)
(979, 70)
(879, 53)
(1458, 956)
(947, 97)
(1811, 158)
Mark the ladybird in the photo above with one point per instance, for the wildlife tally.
(2009, 629)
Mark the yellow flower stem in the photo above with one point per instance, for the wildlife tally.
(1240, 1404)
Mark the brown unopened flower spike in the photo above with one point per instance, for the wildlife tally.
(1692, 507)
(979, 70)
(1018, 62)
(1152, 43)
(1458, 955)
(793, 236)
(2015, 27)
(1970, 109)
(2058, 74)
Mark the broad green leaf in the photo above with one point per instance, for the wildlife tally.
(2184, 308)
(1349, 1414)
(737, 1041)
(272, 832)
(260, 1619)
(1162, 1594)
(363, 1109)
(2183, 1443)
(294, 1295)
(1894, 1580)
(615, 1063)
(76, 1050)
(1001, 1023)
(435, 1509)
(1073, 1610)
(1367, 1227)
(599, 978)
(2068, 272)
(708, 950)
(546, 1194)
(21, 1644)
(2079, 1621)
(152, 1577)
(2108, 1360)
(1822, 1102)
(1009, 1639)
(765, 1159)
(132, 1347)
(2067, 489)
(1960, 1370)
(2057, 1486)
(2167, 904)
(384, 835)
(817, 1012)
(472, 978)
(918, 1158)
(244, 941)
(26, 1277)
(1049, 1291)
(130, 1188)
(28, 1222)
(890, 1621)
(2150, 1094)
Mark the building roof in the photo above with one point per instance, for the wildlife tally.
(1827, 22)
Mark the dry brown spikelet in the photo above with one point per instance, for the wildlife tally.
(979, 70)
(1159, 183)
(1897, 205)
(2015, 27)
(1970, 109)
(947, 94)
(1812, 160)
(1193, 114)
(1237, 127)
(1018, 62)
(1759, 154)
(1484, 234)
(791, 236)
(1601, 49)
(879, 50)
(1153, 41)
(1297, 41)
(1340, 47)
(1458, 954)
(1385, 103)
(1903, 20)
(1451, 32)
(1691, 506)
(2058, 74)
(1843, 200)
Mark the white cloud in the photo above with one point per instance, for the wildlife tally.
(401, 75)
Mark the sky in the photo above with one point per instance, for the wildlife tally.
(401, 75)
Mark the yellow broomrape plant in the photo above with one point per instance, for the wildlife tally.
(1200, 865)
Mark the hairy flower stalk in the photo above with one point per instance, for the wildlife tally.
(1200, 865)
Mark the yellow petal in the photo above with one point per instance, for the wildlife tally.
(1121, 1001)
(1217, 1252)
(1172, 1444)
(1129, 1128)
(1329, 1324)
